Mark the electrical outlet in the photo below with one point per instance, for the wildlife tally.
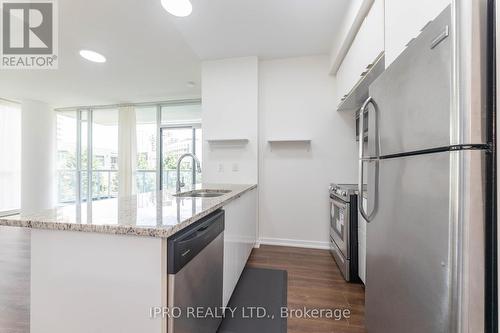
(221, 167)
(236, 167)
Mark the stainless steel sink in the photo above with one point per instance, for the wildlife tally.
(202, 194)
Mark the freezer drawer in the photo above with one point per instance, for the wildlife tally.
(409, 272)
(407, 247)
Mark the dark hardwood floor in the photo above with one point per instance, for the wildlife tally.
(314, 281)
(14, 280)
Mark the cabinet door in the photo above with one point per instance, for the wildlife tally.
(362, 245)
(367, 45)
(403, 21)
(240, 235)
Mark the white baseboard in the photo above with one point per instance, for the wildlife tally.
(294, 243)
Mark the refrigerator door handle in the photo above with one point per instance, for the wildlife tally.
(360, 124)
(362, 159)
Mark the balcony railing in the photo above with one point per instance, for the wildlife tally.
(105, 183)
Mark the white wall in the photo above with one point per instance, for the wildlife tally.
(37, 157)
(297, 100)
(10, 162)
(230, 110)
(290, 98)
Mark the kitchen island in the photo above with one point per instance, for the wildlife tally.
(102, 267)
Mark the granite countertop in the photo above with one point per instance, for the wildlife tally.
(153, 214)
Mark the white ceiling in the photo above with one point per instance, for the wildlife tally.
(147, 59)
(266, 28)
(151, 55)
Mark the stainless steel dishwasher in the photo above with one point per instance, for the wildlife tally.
(195, 266)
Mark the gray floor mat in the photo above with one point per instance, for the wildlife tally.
(257, 287)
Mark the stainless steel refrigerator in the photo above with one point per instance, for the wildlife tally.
(427, 168)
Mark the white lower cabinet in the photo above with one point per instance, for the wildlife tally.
(362, 245)
(240, 235)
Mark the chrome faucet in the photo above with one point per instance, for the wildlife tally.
(180, 183)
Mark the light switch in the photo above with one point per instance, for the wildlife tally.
(236, 167)
(221, 167)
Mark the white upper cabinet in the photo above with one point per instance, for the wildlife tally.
(403, 21)
(367, 45)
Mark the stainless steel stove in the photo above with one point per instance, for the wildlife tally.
(344, 229)
(344, 191)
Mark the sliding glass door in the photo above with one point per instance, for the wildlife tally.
(146, 129)
(66, 157)
(176, 141)
(87, 152)
(104, 154)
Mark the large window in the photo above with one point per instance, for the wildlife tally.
(180, 128)
(76, 164)
(175, 142)
(66, 156)
(146, 128)
(10, 157)
(180, 134)
(104, 154)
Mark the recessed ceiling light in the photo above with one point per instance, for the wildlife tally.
(92, 56)
(180, 8)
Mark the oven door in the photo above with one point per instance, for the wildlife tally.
(339, 224)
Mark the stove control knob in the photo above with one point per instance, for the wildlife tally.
(344, 193)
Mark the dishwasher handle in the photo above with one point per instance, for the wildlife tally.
(202, 230)
(187, 243)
